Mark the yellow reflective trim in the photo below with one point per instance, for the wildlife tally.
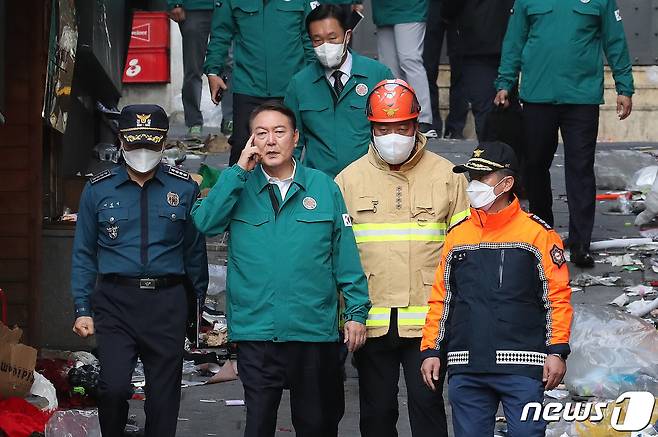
(411, 322)
(396, 226)
(456, 218)
(414, 309)
(379, 310)
(376, 322)
(408, 237)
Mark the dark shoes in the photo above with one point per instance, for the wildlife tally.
(581, 257)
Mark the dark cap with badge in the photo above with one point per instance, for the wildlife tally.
(488, 157)
(143, 124)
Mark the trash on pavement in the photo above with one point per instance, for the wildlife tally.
(217, 279)
(619, 243)
(642, 307)
(228, 372)
(611, 352)
(20, 418)
(644, 179)
(234, 402)
(44, 388)
(74, 423)
(650, 204)
(84, 378)
(587, 280)
(640, 290)
(620, 300)
(17, 362)
(616, 169)
(623, 260)
(557, 394)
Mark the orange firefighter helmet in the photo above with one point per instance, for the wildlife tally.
(392, 101)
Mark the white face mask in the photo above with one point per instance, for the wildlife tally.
(481, 195)
(394, 148)
(142, 160)
(331, 55)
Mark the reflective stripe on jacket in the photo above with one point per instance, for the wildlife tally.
(400, 220)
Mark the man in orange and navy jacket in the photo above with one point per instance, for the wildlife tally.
(500, 305)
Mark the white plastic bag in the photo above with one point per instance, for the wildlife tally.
(74, 423)
(44, 388)
(611, 352)
(217, 279)
(644, 179)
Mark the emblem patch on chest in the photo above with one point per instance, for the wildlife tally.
(112, 231)
(173, 199)
(557, 255)
(309, 203)
(361, 89)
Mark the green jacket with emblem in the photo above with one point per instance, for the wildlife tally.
(334, 131)
(194, 5)
(392, 12)
(284, 269)
(558, 47)
(270, 44)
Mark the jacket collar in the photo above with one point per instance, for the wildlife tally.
(377, 161)
(262, 182)
(483, 219)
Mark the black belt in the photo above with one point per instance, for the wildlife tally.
(148, 283)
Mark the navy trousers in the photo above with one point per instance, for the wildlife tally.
(474, 399)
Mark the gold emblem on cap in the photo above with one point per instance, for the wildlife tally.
(477, 153)
(143, 120)
(390, 112)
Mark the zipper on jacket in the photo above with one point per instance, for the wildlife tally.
(500, 268)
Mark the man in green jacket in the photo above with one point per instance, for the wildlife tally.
(291, 248)
(270, 44)
(400, 36)
(193, 18)
(558, 48)
(329, 97)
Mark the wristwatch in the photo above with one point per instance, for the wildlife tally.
(560, 356)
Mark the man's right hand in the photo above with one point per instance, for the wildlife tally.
(216, 83)
(250, 155)
(430, 371)
(502, 99)
(84, 326)
(177, 14)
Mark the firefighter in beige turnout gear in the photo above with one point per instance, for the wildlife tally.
(402, 200)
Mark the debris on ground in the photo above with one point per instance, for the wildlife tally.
(620, 300)
(616, 169)
(74, 423)
(619, 243)
(623, 260)
(640, 290)
(20, 418)
(587, 280)
(611, 352)
(234, 402)
(641, 308)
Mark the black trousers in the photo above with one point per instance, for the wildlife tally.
(243, 105)
(435, 31)
(130, 322)
(579, 125)
(378, 363)
(195, 31)
(312, 372)
(475, 81)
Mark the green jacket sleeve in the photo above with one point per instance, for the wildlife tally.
(195, 256)
(222, 30)
(515, 39)
(616, 49)
(309, 53)
(291, 101)
(351, 280)
(212, 215)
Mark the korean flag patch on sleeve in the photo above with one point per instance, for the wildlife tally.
(347, 220)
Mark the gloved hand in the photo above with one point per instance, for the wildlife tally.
(651, 208)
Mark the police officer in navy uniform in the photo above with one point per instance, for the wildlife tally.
(136, 251)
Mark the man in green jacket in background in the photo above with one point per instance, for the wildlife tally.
(270, 44)
(291, 248)
(329, 96)
(558, 48)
